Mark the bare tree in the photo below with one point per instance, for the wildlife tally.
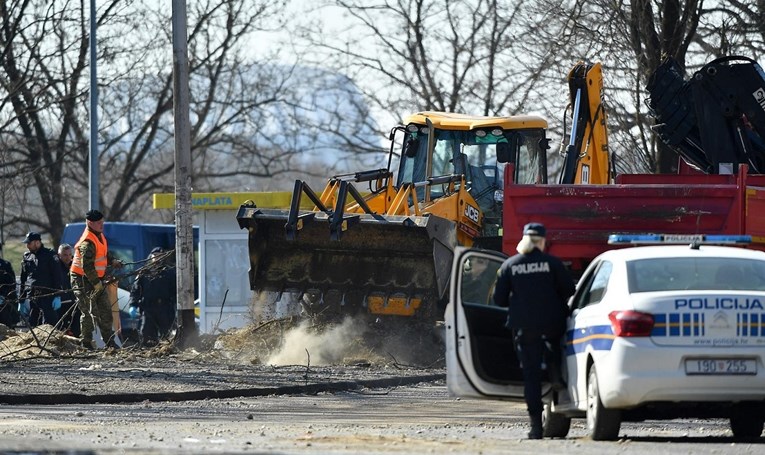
(633, 37)
(417, 55)
(253, 120)
(486, 57)
(257, 119)
(733, 27)
(43, 76)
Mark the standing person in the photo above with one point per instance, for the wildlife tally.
(535, 288)
(40, 281)
(9, 313)
(70, 314)
(91, 257)
(153, 294)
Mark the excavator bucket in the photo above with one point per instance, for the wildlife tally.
(383, 265)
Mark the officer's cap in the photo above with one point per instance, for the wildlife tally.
(537, 229)
(94, 215)
(157, 250)
(31, 236)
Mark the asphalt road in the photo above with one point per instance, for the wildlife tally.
(411, 419)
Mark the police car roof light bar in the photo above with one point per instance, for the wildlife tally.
(678, 239)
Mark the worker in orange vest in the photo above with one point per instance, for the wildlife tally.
(91, 258)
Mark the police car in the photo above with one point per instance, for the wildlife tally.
(655, 332)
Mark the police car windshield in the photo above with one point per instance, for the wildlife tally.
(707, 273)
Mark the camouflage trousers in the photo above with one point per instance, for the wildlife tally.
(95, 308)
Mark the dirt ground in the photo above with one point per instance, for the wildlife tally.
(276, 342)
(276, 354)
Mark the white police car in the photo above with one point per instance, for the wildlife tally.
(655, 332)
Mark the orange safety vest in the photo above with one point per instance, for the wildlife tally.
(101, 249)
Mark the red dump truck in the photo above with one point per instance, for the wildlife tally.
(581, 217)
(714, 120)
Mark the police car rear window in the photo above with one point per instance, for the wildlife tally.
(707, 273)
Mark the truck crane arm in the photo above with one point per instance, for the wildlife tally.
(717, 117)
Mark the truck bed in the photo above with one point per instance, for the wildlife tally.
(579, 218)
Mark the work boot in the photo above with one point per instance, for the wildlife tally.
(88, 345)
(536, 427)
(535, 432)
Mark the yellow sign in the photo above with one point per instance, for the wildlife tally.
(230, 201)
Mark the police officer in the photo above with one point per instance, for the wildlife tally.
(535, 287)
(9, 313)
(153, 294)
(40, 281)
(91, 258)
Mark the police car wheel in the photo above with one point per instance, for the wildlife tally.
(746, 421)
(554, 425)
(602, 424)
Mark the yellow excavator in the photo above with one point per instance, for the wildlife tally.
(381, 242)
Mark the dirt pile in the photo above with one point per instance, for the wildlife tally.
(288, 341)
(42, 341)
(296, 341)
(293, 341)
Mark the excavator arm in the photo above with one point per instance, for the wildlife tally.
(586, 157)
(717, 117)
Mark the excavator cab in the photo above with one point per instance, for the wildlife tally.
(482, 149)
(381, 242)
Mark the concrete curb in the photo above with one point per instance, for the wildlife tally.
(307, 389)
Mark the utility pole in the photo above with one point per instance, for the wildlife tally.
(184, 235)
(93, 201)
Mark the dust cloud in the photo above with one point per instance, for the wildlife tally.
(325, 345)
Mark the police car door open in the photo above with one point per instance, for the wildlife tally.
(480, 358)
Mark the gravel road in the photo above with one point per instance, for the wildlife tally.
(416, 419)
(222, 401)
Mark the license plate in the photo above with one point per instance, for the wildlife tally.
(720, 366)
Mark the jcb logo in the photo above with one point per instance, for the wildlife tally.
(471, 212)
(759, 96)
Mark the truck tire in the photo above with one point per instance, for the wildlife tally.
(602, 424)
(745, 422)
(554, 425)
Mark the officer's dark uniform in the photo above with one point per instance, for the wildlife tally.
(9, 313)
(40, 282)
(154, 294)
(535, 287)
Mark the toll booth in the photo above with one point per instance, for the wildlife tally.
(225, 297)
